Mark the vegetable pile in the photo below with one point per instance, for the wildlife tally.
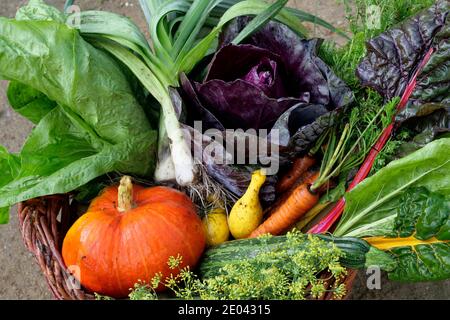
(361, 135)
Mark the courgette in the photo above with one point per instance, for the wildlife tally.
(355, 251)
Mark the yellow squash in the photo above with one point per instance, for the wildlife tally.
(216, 227)
(246, 214)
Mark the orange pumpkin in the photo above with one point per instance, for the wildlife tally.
(128, 234)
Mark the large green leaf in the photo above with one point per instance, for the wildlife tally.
(88, 120)
(29, 102)
(370, 206)
(404, 209)
(9, 166)
(419, 240)
(39, 10)
(429, 262)
(59, 157)
(423, 215)
(55, 60)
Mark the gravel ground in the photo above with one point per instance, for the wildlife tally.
(21, 278)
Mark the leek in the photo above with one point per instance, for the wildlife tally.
(175, 27)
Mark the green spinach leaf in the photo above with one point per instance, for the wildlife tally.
(55, 60)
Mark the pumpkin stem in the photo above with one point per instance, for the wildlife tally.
(125, 197)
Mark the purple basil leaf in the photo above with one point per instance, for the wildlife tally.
(394, 55)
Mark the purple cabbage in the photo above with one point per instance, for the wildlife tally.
(274, 80)
(251, 85)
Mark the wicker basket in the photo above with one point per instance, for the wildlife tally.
(43, 225)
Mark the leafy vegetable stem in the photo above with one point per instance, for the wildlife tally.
(324, 174)
(183, 162)
(356, 232)
(360, 137)
(384, 243)
(339, 152)
(319, 142)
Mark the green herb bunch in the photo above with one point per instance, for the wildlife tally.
(270, 275)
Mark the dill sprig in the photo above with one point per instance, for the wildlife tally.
(270, 275)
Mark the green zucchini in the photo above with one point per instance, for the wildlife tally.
(355, 251)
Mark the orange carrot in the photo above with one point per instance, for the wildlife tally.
(298, 168)
(299, 202)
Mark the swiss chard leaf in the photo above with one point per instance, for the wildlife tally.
(422, 262)
(404, 208)
(370, 206)
(432, 91)
(423, 215)
(394, 55)
(420, 237)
